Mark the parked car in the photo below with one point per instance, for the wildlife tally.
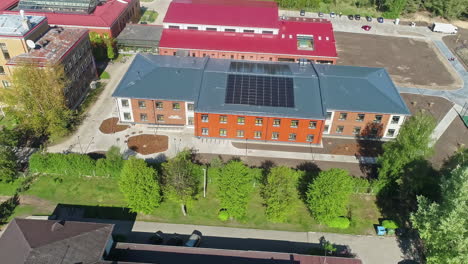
(332, 14)
(302, 12)
(357, 17)
(369, 18)
(351, 17)
(144, 23)
(194, 239)
(320, 14)
(366, 27)
(175, 241)
(157, 238)
(380, 19)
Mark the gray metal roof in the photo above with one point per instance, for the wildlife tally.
(316, 87)
(12, 25)
(140, 35)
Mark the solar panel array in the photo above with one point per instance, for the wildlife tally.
(260, 90)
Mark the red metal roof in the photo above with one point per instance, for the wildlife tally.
(103, 16)
(246, 13)
(284, 43)
(5, 4)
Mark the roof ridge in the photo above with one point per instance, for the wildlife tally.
(398, 101)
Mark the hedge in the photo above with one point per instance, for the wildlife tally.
(339, 222)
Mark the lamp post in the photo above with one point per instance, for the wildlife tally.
(204, 182)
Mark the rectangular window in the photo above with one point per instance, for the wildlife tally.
(174, 53)
(305, 42)
(357, 130)
(267, 32)
(192, 28)
(312, 125)
(343, 116)
(391, 133)
(232, 56)
(395, 120)
(378, 119)
(242, 57)
(125, 103)
(329, 115)
(258, 121)
(5, 52)
(175, 106)
(240, 120)
(211, 29)
(222, 132)
(249, 31)
(159, 105)
(204, 118)
(190, 121)
(190, 107)
(240, 133)
(160, 118)
(360, 117)
(193, 54)
(275, 135)
(258, 134)
(143, 117)
(6, 84)
(276, 122)
(294, 123)
(2, 70)
(339, 129)
(127, 116)
(142, 104)
(229, 30)
(175, 27)
(292, 137)
(204, 131)
(374, 131)
(325, 129)
(310, 138)
(223, 119)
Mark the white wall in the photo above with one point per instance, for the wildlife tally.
(221, 28)
(396, 126)
(123, 109)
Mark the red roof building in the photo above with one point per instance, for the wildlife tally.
(109, 17)
(236, 30)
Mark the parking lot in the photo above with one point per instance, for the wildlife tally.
(410, 62)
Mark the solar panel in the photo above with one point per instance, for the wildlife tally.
(259, 68)
(259, 90)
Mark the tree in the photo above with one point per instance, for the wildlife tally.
(139, 184)
(36, 99)
(181, 179)
(112, 164)
(8, 137)
(235, 185)
(412, 143)
(8, 164)
(395, 7)
(328, 195)
(443, 226)
(280, 193)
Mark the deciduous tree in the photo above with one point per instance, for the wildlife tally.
(140, 186)
(8, 164)
(328, 195)
(280, 193)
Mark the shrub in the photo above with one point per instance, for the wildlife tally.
(389, 224)
(57, 163)
(223, 215)
(338, 222)
(105, 75)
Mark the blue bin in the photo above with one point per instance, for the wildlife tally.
(381, 231)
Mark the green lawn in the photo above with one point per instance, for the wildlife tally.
(9, 189)
(149, 16)
(105, 192)
(23, 211)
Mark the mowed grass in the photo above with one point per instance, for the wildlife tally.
(203, 211)
(9, 189)
(77, 190)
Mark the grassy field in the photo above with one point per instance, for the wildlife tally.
(9, 189)
(203, 211)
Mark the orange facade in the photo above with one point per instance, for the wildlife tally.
(159, 112)
(292, 130)
(246, 56)
(358, 124)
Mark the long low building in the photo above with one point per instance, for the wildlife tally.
(267, 101)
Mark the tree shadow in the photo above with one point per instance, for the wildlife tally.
(369, 145)
(311, 171)
(7, 208)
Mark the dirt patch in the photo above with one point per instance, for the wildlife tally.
(110, 126)
(458, 44)
(433, 105)
(410, 62)
(148, 144)
(454, 137)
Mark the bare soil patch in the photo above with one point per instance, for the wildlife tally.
(433, 105)
(458, 44)
(148, 144)
(410, 62)
(110, 126)
(454, 137)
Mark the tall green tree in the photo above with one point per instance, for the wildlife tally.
(140, 186)
(181, 179)
(328, 195)
(8, 164)
(280, 193)
(411, 144)
(112, 164)
(36, 99)
(443, 226)
(235, 186)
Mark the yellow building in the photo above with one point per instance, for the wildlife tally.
(15, 30)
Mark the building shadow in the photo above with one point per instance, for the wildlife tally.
(369, 145)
